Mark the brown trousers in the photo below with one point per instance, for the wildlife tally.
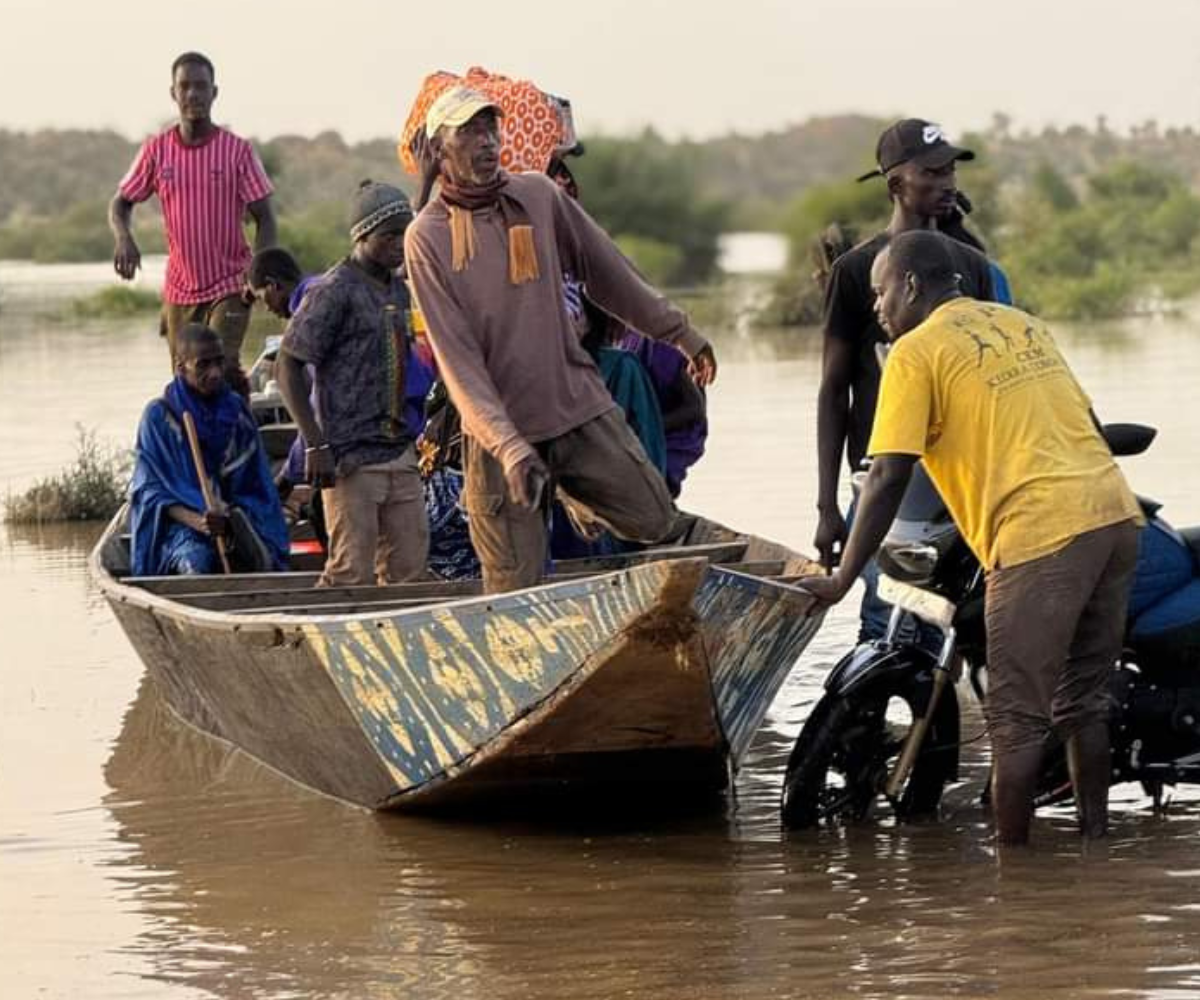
(1055, 626)
(600, 465)
(378, 529)
(229, 317)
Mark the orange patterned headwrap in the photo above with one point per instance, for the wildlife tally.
(531, 129)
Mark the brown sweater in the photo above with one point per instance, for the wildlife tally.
(509, 353)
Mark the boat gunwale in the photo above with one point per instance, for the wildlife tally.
(138, 597)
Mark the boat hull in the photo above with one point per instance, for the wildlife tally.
(651, 677)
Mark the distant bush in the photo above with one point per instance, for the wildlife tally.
(659, 262)
(1094, 249)
(1135, 227)
(77, 234)
(93, 488)
(115, 302)
(864, 207)
(318, 237)
(647, 188)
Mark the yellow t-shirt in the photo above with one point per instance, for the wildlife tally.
(982, 394)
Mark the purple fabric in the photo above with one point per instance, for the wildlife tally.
(666, 366)
(300, 291)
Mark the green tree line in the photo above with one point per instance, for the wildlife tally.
(1088, 247)
(1110, 223)
(644, 191)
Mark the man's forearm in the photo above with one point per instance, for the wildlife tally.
(186, 516)
(833, 413)
(294, 388)
(266, 233)
(120, 218)
(881, 496)
(616, 286)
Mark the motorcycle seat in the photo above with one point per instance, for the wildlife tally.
(1192, 537)
(1165, 565)
(1168, 633)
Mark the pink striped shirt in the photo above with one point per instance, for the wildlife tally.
(204, 191)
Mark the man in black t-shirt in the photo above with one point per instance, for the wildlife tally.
(918, 164)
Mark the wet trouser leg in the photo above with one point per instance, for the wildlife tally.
(600, 465)
(230, 318)
(603, 468)
(175, 316)
(1014, 782)
(378, 529)
(403, 549)
(1054, 629)
(511, 541)
(1089, 763)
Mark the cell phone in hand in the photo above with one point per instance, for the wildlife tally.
(538, 481)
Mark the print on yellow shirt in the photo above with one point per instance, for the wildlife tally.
(981, 392)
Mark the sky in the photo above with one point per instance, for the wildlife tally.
(693, 69)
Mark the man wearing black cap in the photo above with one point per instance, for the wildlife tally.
(918, 164)
(351, 328)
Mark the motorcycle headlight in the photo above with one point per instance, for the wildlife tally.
(913, 562)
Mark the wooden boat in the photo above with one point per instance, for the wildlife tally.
(649, 671)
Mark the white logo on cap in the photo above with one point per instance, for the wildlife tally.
(932, 134)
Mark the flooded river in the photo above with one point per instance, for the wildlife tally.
(139, 859)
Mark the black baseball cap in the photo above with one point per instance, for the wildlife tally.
(914, 139)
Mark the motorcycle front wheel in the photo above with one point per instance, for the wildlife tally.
(849, 744)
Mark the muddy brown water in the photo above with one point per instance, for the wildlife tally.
(140, 859)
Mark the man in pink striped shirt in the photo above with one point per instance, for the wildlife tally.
(206, 179)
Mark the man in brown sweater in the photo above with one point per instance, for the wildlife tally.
(486, 259)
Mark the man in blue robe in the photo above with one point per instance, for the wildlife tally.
(173, 533)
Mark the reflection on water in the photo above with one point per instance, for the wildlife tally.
(262, 888)
(139, 858)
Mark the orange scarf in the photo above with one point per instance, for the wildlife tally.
(462, 201)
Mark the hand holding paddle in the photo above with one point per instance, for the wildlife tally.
(214, 518)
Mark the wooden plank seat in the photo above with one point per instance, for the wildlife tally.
(184, 587)
(270, 600)
(354, 600)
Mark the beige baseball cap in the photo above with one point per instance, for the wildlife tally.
(455, 107)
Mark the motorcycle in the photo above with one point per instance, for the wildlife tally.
(888, 722)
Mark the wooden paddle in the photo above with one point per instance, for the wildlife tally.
(189, 425)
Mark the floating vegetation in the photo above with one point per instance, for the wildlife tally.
(92, 488)
(115, 302)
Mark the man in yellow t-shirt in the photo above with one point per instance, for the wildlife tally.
(981, 394)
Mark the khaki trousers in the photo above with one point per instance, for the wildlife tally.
(378, 529)
(1055, 626)
(600, 465)
(229, 317)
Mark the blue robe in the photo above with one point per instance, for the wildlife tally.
(164, 475)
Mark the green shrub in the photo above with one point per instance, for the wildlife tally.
(115, 302)
(659, 262)
(1106, 292)
(864, 207)
(1132, 233)
(318, 237)
(648, 188)
(93, 488)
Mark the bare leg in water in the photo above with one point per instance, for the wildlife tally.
(1088, 761)
(1014, 781)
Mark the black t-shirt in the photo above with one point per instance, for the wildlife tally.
(850, 315)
